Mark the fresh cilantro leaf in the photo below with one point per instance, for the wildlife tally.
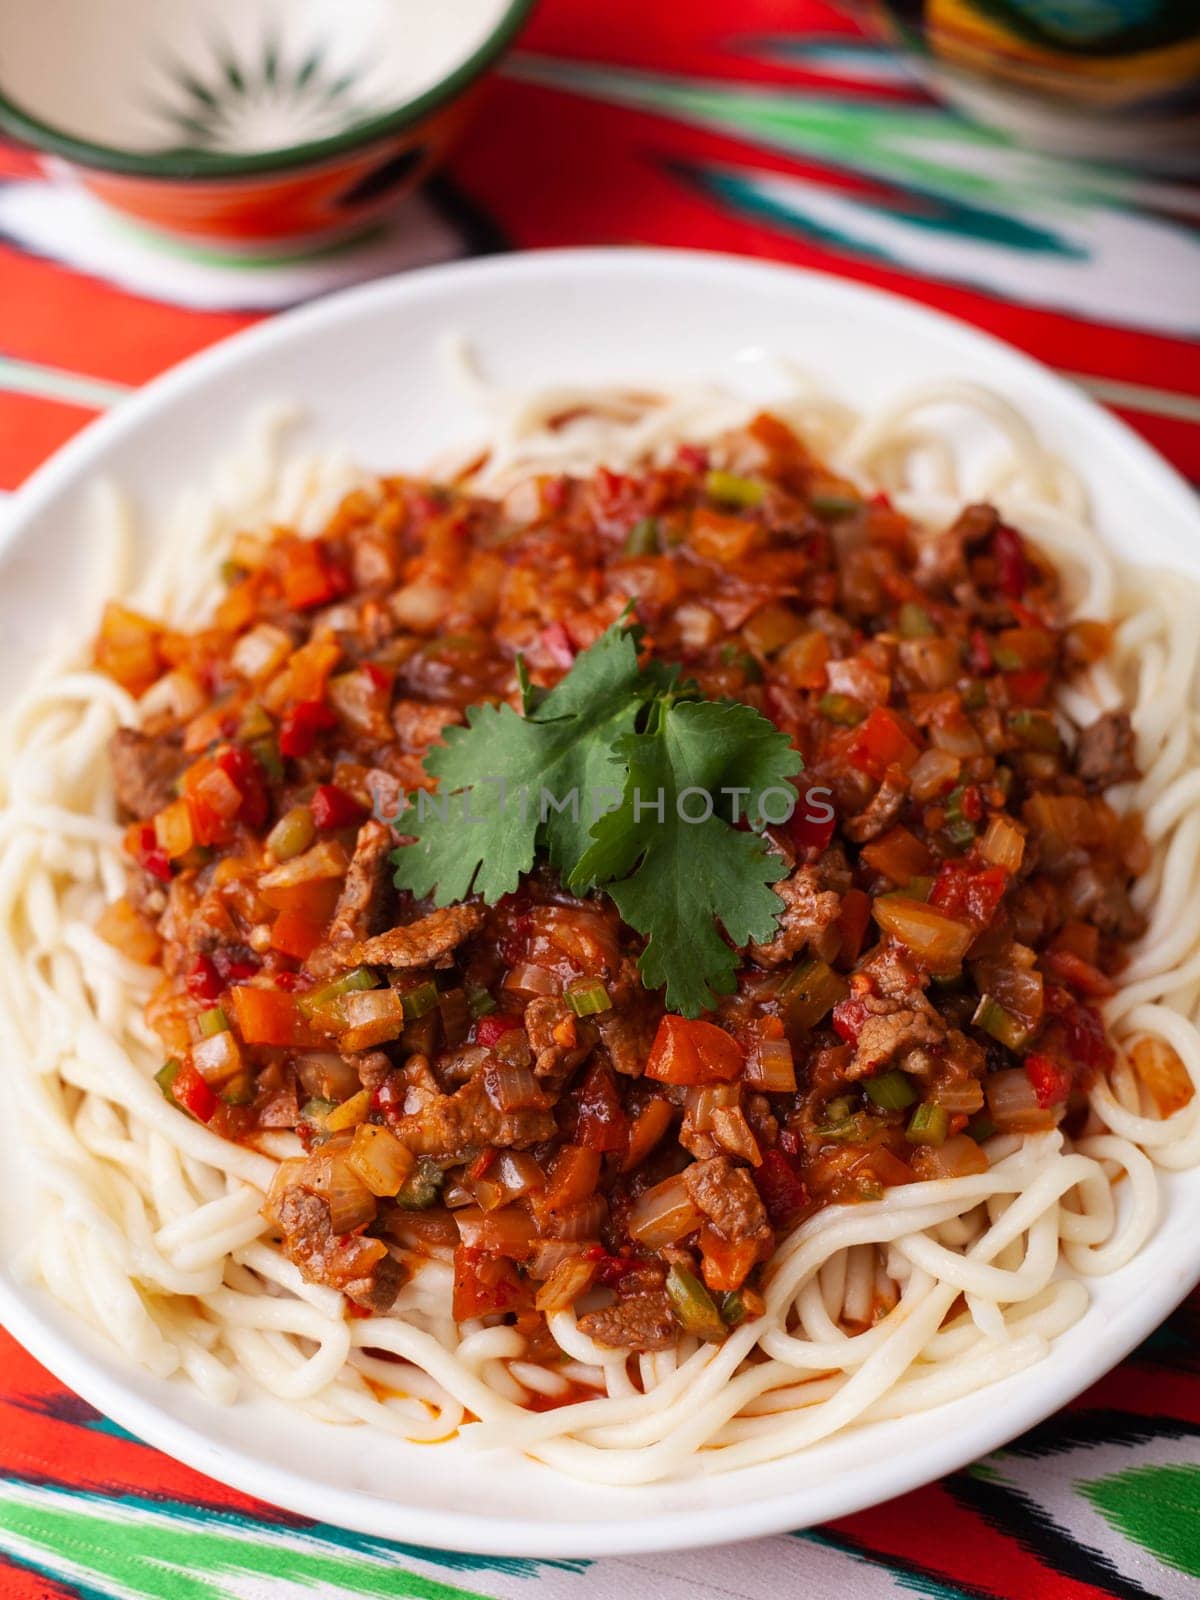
(508, 783)
(679, 880)
(629, 782)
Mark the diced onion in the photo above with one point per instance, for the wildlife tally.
(965, 1096)
(511, 1087)
(663, 1215)
(733, 1133)
(219, 1058)
(938, 941)
(509, 1231)
(933, 773)
(958, 1157)
(933, 662)
(1003, 843)
(770, 1066)
(379, 1160)
(1012, 1102)
(1160, 1068)
(527, 978)
(583, 1220)
(261, 651)
(351, 1204)
(570, 1278)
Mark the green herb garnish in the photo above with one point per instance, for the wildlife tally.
(626, 780)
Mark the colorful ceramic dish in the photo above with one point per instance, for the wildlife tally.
(247, 125)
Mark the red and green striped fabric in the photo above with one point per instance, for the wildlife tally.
(764, 127)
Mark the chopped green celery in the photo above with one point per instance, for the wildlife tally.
(420, 1000)
(422, 1186)
(731, 656)
(266, 752)
(316, 1110)
(213, 1021)
(834, 505)
(981, 1127)
(808, 993)
(693, 1307)
(166, 1075)
(238, 1091)
(918, 888)
(842, 708)
(961, 831)
(891, 1090)
(1036, 730)
(733, 1309)
(642, 538)
(734, 491)
(1002, 1024)
(479, 1001)
(929, 1124)
(587, 996)
(292, 834)
(914, 621)
(255, 723)
(855, 1128)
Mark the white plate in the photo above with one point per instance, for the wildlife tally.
(365, 365)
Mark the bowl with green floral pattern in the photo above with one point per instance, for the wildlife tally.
(247, 124)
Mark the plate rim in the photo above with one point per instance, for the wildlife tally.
(42, 1327)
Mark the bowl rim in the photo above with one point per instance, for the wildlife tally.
(24, 125)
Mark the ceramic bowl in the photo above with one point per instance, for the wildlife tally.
(247, 124)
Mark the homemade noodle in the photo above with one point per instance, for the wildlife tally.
(149, 1225)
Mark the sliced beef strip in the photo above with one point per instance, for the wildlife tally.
(372, 1066)
(808, 920)
(144, 771)
(890, 1034)
(344, 1264)
(557, 1037)
(1104, 754)
(363, 902)
(638, 1319)
(418, 723)
(728, 1198)
(942, 561)
(451, 1126)
(424, 943)
(881, 811)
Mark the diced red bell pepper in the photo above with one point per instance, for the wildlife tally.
(203, 980)
(979, 652)
(490, 1029)
(693, 1053)
(148, 853)
(240, 765)
(300, 726)
(483, 1284)
(309, 576)
(193, 1095)
(848, 1018)
(852, 923)
(294, 934)
(807, 834)
(609, 1269)
(1050, 1079)
(601, 1123)
(1012, 569)
(1087, 1041)
(968, 892)
(1080, 975)
(333, 808)
(1027, 687)
(880, 742)
(780, 1187)
(268, 1016)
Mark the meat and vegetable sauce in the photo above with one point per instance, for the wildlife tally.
(496, 1082)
